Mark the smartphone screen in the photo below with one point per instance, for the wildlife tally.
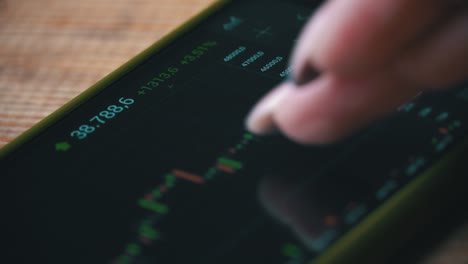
(158, 168)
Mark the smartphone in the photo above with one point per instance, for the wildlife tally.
(153, 163)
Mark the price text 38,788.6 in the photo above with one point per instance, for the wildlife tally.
(101, 119)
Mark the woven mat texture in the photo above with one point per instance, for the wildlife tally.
(52, 50)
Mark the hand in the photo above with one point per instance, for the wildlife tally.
(372, 55)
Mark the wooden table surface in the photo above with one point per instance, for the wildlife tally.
(51, 50)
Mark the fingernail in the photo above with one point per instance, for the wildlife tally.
(260, 120)
(304, 73)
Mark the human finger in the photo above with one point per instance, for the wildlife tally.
(442, 59)
(347, 36)
(329, 108)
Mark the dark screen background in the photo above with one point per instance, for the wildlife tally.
(167, 174)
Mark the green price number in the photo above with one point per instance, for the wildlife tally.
(210, 44)
(111, 112)
(160, 78)
(198, 52)
(187, 59)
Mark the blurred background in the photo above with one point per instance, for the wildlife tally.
(52, 50)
